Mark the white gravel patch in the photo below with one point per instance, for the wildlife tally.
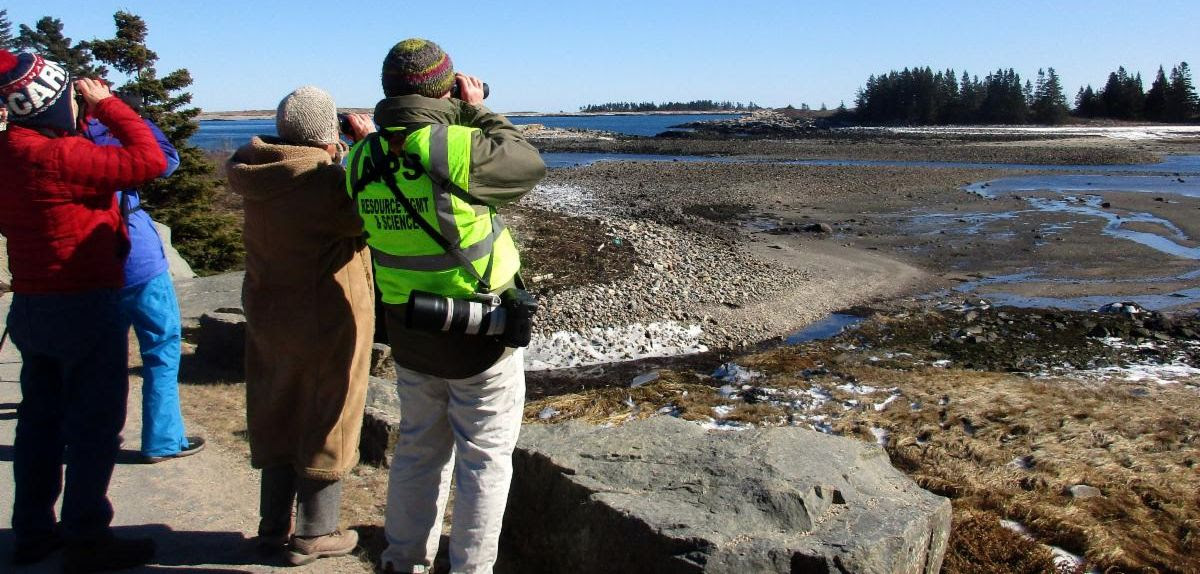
(563, 349)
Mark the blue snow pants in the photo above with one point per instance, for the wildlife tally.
(153, 311)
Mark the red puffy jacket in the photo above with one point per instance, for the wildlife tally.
(58, 206)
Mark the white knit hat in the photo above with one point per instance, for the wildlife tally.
(307, 116)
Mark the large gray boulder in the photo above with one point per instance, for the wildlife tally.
(204, 294)
(176, 264)
(668, 496)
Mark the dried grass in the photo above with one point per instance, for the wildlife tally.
(615, 405)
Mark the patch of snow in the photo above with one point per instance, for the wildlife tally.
(643, 379)
(565, 349)
(713, 424)
(1178, 371)
(564, 198)
(821, 426)
(881, 435)
(735, 373)
(891, 399)
(548, 413)
(1061, 557)
(942, 364)
(856, 388)
(722, 411)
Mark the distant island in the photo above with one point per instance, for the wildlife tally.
(263, 114)
(682, 107)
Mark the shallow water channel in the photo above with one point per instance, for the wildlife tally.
(1080, 195)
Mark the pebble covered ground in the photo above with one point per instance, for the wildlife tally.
(663, 306)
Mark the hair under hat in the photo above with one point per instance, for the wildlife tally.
(33, 90)
(417, 66)
(307, 116)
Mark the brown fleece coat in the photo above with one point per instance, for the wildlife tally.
(309, 301)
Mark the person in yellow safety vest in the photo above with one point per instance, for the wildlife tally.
(427, 188)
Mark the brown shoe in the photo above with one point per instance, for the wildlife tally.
(303, 551)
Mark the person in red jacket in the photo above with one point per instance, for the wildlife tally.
(66, 247)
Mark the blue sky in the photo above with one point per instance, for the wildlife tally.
(558, 56)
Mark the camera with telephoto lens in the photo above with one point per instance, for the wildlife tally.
(509, 316)
(456, 90)
(344, 125)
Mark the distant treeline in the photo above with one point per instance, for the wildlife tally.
(692, 106)
(1169, 99)
(920, 96)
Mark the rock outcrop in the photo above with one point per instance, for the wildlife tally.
(760, 123)
(664, 495)
(381, 419)
(178, 266)
(203, 294)
(221, 341)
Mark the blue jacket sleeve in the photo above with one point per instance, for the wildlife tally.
(168, 150)
(99, 133)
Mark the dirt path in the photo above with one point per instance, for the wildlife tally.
(201, 510)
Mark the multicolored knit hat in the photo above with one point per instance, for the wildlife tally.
(36, 91)
(417, 66)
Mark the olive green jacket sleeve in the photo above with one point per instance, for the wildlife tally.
(504, 166)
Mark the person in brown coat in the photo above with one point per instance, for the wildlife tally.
(309, 302)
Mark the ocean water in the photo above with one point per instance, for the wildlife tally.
(218, 135)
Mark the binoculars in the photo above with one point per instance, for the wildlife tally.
(456, 91)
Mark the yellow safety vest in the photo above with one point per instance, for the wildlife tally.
(433, 173)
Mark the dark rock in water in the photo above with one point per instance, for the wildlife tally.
(823, 228)
(1126, 308)
(1105, 205)
(667, 496)
(221, 341)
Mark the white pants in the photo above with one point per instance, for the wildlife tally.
(468, 425)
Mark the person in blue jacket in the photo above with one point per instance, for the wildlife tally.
(148, 302)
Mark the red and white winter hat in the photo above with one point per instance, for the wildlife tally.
(36, 91)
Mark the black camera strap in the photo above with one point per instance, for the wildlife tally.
(384, 166)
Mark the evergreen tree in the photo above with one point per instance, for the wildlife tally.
(1182, 103)
(1123, 96)
(46, 38)
(6, 38)
(1050, 104)
(209, 241)
(1088, 103)
(1156, 98)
